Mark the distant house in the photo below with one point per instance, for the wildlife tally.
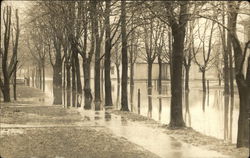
(141, 71)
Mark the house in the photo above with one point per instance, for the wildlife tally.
(141, 71)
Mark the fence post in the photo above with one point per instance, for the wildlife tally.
(139, 101)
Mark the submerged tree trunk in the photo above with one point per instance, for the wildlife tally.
(243, 127)
(170, 44)
(160, 71)
(87, 90)
(6, 91)
(78, 74)
(176, 80)
(225, 56)
(97, 57)
(150, 64)
(57, 76)
(73, 73)
(68, 82)
(231, 73)
(74, 87)
(124, 94)
(243, 82)
(178, 32)
(14, 83)
(108, 90)
(40, 77)
(204, 88)
(43, 71)
(33, 77)
(118, 74)
(187, 69)
(64, 75)
(149, 102)
(57, 84)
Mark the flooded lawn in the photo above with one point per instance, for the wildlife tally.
(205, 113)
(152, 139)
(40, 129)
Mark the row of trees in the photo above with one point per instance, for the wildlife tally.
(66, 33)
(9, 52)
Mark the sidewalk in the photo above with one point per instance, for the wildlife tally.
(36, 130)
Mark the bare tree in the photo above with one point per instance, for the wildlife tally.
(243, 81)
(8, 67)
(207, 58)
(124, 94)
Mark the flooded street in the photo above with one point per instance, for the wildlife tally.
(204, 113)
(151, 139)
(40, 119)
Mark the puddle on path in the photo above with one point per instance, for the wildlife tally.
(149, 138)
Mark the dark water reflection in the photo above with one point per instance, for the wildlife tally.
(210, 113)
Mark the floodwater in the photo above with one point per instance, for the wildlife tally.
(151, 139)
(206, 113)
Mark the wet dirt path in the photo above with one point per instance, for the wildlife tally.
(149, 138)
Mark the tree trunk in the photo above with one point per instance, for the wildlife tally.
(230, 69)
(118, 74)
(204, 88)
(131, 74)
(8, 66)
(243, 83)
(132, 97)
(40, 77)
(108, 95)
(6, 91)
(68, 82)
(150, 64)
(97, 57)
(64, 74)
(226, 109)
(87, 91)
(203, 101)
(36, 77)
(160, 71)
(187, 68)
(78, 74)
(243, 127)
(73, 79)
(226, 74)
(219, 80)
(14, 83)
(170, 44)
(73, 72)
(131, 56)
(57, 78)
(57, 84)
(231, 73)
(178, 32)
(43, 67)
(149, 102)
(124, 95)
(160, 103)
(33, 78)
(244, 94)
(28, 79)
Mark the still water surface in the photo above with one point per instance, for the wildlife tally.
(206, 113)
